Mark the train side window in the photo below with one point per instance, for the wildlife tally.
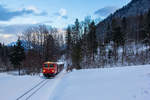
(51, 65)
(45, 65)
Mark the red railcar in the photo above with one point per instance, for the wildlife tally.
(50, 69)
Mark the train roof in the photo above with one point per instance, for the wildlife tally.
(48, 62)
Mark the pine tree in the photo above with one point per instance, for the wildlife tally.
(123, 36)
(92, 40)
(76, 54)
(76, 31)
(147, 33)
(117, 38)
(68, 41)
(17, 55)
(108, 36)
(49, 47)
(124, 27)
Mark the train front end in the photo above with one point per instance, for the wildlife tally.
(49, 69)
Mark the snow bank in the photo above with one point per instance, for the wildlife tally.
(124, 83)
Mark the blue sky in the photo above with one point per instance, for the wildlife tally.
(58, 13)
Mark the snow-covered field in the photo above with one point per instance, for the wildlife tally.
(124, 83)
(12, 87)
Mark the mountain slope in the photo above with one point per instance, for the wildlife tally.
(134, 9)
(24, 44)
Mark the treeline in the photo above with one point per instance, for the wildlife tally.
(121, 41)
(36, 45)
(4, 58)
(42, 45)
(81, 43)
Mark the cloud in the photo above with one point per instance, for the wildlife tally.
(6, 35)
(7, 38)
(7, 14)
(65, 17)
(46, 22)
(36, 11)
(13, 29)
(62, 13)
(9, 33)
(104, 12)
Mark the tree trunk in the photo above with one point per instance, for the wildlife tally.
(123, 53)
(19, 69)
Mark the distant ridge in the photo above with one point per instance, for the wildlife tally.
(24, 44)
(134, 8)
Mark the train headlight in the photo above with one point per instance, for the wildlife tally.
(53, 71)
(44, 71)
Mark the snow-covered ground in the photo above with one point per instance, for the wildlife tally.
(124, 83)
(12, 87)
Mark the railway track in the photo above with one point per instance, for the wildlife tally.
(28, 94)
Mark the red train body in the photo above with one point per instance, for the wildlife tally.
(52, 68)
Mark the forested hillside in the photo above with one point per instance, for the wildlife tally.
(123, 38)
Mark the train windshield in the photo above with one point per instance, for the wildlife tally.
(51, 65)
(45, 65)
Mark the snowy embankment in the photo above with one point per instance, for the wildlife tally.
(124, 83)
